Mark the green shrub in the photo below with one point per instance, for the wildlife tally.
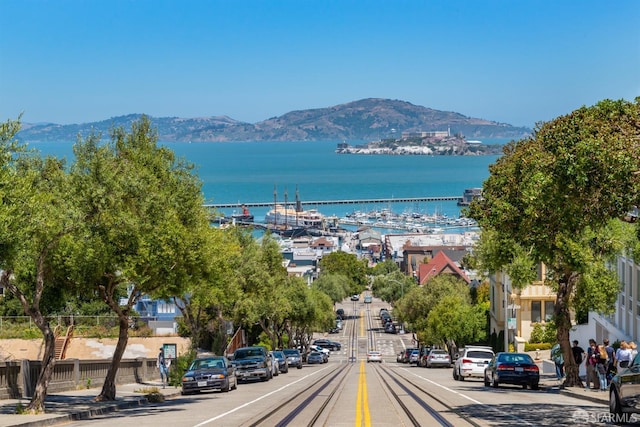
(179, 366)
(537, 346)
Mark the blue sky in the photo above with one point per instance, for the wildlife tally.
(512, 61)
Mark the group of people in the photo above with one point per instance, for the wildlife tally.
(601, 361)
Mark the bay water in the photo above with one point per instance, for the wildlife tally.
(242, 172)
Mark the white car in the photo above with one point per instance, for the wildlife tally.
(471, 362)
(319, 349)
(374, 356)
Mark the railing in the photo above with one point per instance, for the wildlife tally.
(18, 378)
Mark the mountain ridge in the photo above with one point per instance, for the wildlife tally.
(365, 119)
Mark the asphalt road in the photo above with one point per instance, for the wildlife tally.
(348, 391)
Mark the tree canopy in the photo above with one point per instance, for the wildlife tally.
(557, 198)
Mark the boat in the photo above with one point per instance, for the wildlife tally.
(245, 216)
(281, 215)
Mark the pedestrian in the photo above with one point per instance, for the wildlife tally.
(623, 356)
(578, 353)
(590, 365)
(602, 363)
(558, 360)
(161, 364)
(634, 350)
(611, 355)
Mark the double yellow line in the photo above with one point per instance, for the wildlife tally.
(363, 417)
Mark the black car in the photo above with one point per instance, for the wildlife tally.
(209, 373)
(340, 312)
(512, 368)
(283, 365)
(294, 358)
(331, 345)
(624, 393)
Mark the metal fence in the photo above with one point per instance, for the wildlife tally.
(18, 378)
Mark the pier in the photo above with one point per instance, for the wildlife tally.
(340, 202)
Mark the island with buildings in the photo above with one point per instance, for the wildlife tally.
(433, 143)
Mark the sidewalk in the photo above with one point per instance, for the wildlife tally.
(549, 382)
(71, 405)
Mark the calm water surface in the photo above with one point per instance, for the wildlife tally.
(237, 172)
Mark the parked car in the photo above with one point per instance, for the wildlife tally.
(471, 362)
(283, 365)
(374, 356)
(437, 357)
(340, 312)
(322, 350)
(512, 368)
(275, 366)
(335, 330)
(210, 373)
(294, 358)
(624, 393)
(315, 357)
(399, 357)
(253, 362)
(331, 345)
(406, 355)
(368, 299)
(413, 357)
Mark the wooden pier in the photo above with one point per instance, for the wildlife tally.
(339, 202)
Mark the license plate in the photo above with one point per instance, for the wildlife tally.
(202, 383)
(519, 369)
(480, 364)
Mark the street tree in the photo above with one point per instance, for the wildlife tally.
(392, 286)
(144, 211)
(36, 213)
(262, 278)
(348, 265)
(557, 198)
(336, 286)
(417, 305)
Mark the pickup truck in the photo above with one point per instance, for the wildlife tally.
(253, 362)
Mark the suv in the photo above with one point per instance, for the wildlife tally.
(471, 362)
(253, 362)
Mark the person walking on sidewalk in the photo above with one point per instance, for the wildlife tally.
(611, 355)
(558, 360)
(161, 364)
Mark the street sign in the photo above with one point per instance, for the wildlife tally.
(513, 307)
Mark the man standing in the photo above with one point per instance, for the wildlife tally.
(578, 352)
(161, 364)
(611, 354)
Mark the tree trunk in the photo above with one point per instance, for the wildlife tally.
(108, 392)
(36, 406)
(563, 325)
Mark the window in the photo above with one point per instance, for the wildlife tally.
(549, 309)
(536, 311)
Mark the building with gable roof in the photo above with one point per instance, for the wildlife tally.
(440, 264)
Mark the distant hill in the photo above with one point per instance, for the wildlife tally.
(366, 119)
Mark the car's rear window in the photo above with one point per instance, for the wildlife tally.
(476, 354)
(243, 354)
(438, 352)
(292, 352)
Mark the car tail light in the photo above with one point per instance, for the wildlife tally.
(532, 368)
(467, 361)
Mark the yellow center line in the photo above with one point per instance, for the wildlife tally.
(362, 404)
